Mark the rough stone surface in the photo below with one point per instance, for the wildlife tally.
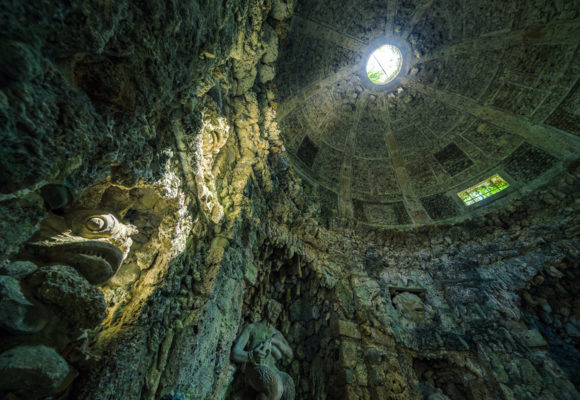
(18, 269)
(62, 287)
(17, 313)
(33, 371)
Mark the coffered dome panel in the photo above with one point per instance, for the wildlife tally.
(487, 86)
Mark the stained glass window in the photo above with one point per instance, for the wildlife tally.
(483, 190)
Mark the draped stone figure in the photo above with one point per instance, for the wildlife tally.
(260, 346)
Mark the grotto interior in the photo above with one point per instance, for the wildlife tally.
(240, 199)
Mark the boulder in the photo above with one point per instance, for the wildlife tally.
(81, 304)
(34, 371)
(533, 338)
(18, 269)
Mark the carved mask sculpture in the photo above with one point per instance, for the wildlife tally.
(94, 242)
(410, 306)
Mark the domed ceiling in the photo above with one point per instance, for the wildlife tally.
(486, 87)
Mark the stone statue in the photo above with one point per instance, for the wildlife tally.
(260, 345)
(438, 395)
(410, 306)
(48, 298)
(94, 242)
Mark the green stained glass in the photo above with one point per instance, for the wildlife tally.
(487, 188)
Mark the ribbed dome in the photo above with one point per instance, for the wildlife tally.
(486, 87)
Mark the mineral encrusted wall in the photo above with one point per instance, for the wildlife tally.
(162, 113)
(476, 341)
(486, 311)
(94, 88)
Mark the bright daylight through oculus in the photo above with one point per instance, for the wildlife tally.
(384, 64)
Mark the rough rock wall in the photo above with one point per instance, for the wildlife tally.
(163, 112)
(482, 310)
(89, 85)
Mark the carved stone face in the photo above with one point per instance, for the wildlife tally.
(94, 242)
(410, 306)
(437, 396)
(273, 311)
(255, 316)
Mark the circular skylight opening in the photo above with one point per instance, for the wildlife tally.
(384, 64)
